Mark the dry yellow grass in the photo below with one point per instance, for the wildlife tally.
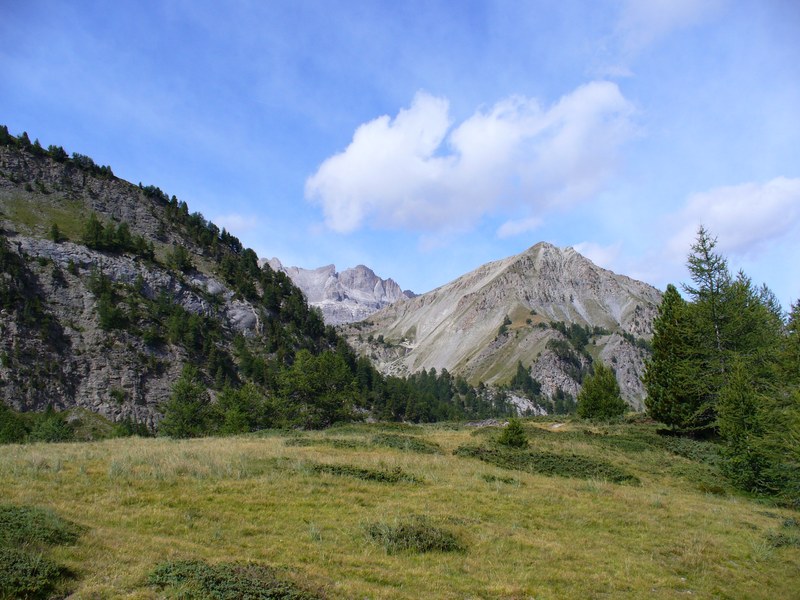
(145, 501)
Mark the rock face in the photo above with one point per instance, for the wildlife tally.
(485, 322)
(54, 346)
(346, 297)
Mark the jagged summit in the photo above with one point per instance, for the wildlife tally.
(352, 295)
(486, 321)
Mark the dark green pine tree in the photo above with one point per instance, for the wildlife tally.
(673, 376)
(599, 398)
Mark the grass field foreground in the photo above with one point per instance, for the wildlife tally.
(308, 506)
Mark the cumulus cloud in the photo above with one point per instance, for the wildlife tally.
(418, 171)
(746, 218)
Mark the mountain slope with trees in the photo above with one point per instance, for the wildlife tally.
(115, 298)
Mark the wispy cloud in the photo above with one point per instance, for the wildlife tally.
(642, 24)
(604, 256)
(745, 217)
(417, 172)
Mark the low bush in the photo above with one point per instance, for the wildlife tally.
(226, 581)
(27, 525)
(406, 443)
(414, 534)
(547, 463)
(395, 475)
(27, 575)
(25, 532)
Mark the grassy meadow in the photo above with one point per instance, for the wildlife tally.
(321, 509)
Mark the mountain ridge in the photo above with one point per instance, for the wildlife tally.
(343, 297)
(482, 324)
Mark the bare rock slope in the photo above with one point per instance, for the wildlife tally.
(352, 295)
(484, 323)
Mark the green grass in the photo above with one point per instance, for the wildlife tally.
(37, 214)
(250, 507)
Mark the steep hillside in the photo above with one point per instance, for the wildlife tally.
(352, 295)
(551, 309)
(108, 289)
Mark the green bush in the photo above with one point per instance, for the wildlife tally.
(12, 427)
(406, 443)
(513, 435)
(226, 581)
(26, 525)
(395, 475)
(25, 532)
(547, 463)
(414, 534)
(27, 575)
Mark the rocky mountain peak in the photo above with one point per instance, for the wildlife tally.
(508, 311)
(352, 295)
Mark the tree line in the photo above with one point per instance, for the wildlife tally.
(726, 362)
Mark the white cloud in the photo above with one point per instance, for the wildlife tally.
(604, 256)
(646, 22)
(745, 218)
(417, 172)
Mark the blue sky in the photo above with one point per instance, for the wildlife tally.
(426, 138)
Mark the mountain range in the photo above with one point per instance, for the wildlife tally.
(345, 297)
(550, 309)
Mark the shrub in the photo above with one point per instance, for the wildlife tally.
(548, 463)
(24, 532)
(395, 475)
(34, 526)
(25, 574)
(414, 534)
(197, 579)
(513, 435)
(406, 443)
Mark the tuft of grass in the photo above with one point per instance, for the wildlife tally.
(395, 475)
(548, 463)
(406, 443)
(224, 581)
(414, 534)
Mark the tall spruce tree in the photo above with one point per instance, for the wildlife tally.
(675, 391)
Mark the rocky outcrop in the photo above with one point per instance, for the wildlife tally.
(109, 326)
(346, 297)
(485, 322)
